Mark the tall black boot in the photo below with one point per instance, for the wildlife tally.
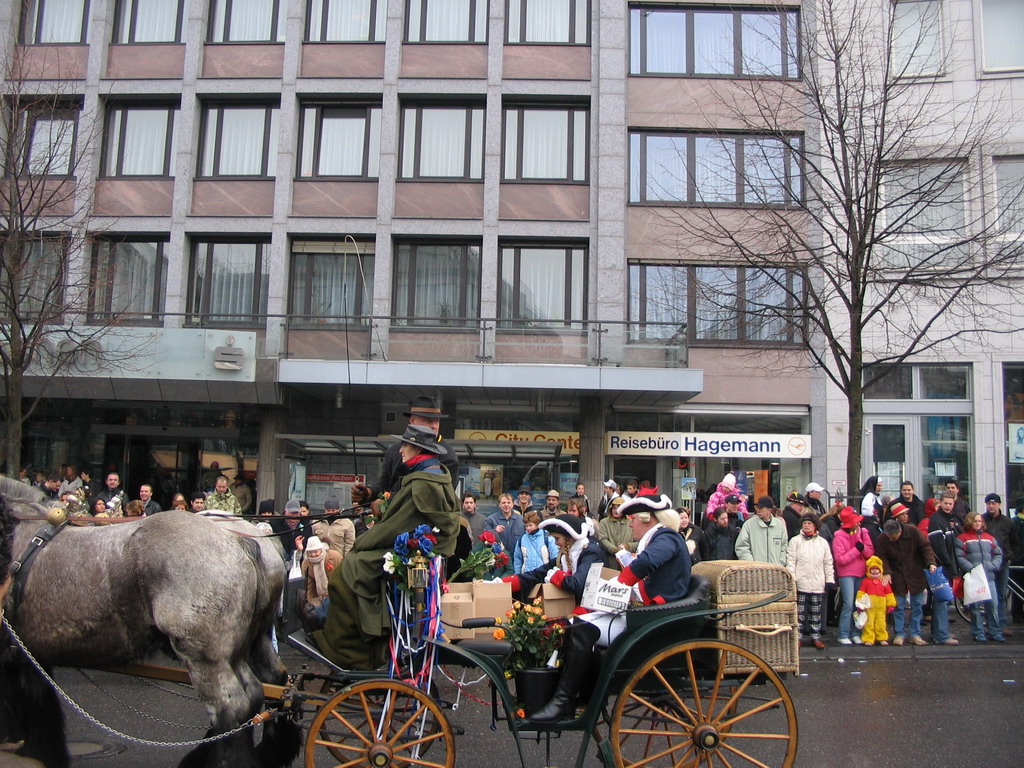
(576, 656)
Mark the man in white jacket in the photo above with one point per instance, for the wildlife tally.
(763, 537)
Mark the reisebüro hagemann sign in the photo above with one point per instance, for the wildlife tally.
(708, 444)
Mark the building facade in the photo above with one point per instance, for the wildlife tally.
(315, 210)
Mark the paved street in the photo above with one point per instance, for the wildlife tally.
(857, 707)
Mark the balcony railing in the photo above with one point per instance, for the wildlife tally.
(462, 340)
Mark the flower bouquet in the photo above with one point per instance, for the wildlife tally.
(488, 555)
(534, 637)
(408, 546)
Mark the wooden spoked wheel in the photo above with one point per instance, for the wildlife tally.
(688, 706)
(381, 724)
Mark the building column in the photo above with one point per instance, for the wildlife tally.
(592, 410)
(272, 425)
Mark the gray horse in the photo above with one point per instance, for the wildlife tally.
(203, 589)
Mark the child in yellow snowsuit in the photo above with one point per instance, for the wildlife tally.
(878, 600)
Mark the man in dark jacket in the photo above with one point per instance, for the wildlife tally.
(1002, 529)
(905, 554)
(942, 532)
(424, 413)
(909, 499)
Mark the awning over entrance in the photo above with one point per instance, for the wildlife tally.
(490, 450)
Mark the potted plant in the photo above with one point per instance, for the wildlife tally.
(535, 640)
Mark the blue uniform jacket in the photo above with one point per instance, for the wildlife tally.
(662, 570)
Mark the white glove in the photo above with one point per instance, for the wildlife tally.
(495, 580)
(551, 572)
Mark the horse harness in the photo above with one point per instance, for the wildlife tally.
(20, 567)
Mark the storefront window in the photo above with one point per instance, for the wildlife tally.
(946, 452)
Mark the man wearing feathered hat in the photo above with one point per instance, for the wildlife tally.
(658, 573)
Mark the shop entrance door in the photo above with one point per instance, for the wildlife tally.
(890, 453)
(169, 465)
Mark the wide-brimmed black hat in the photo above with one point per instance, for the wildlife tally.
(425, 406)
(422, 437)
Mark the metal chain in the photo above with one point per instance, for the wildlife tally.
(128, 706)
(172, 691)
(102, 726)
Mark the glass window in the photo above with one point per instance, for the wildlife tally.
(50, 142)
(925, 216)
(713, 41)
(916, 37)
(250, 21)
(946, 440)
(546, 143)
(340, 141)
(54, 21)
(346, 21)
(658, 300)
(331, 282)
(442, 143)
(148, 21)
(228, 283)
(889, 382)
(542, 287)
(548, 21)
(1010, 193)
(437, 284)
(128, 279)
(720, 170)
(945, 382)
(238, 140)
(447, 21)
(1003, 29)
(36, 280)
(140, 141)
(697, 303)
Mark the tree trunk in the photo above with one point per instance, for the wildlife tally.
(14, 424)
(855, 442)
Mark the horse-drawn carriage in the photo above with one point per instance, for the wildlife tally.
(667, 693)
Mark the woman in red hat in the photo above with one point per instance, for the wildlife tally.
(851, 547)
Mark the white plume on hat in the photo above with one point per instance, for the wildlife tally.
(661, 507)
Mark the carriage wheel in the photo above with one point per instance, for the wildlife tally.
(683, 708)
(963, 609)
(380, 723)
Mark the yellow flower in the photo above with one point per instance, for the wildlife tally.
(499, 634)
(497, 619)
(520, 713)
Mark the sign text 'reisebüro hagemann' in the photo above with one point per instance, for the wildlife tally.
(704, 444)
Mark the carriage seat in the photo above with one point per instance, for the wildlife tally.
(696, 599)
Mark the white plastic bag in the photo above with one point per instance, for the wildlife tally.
(860, 619)
(296, 570)
(976, 586)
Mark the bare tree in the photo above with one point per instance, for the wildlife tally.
(863, 229)
(50, 325)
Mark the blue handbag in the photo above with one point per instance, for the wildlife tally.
(939, 585)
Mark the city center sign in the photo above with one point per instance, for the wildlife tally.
(708, 445)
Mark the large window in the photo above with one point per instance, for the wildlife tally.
(128, 279)
(713, 41)
(546, 143)
(916, 37)
(548, 21)
(1003, 29)
(35, 280)
(331, 282)
(721, 304)
(50, 141)
(542, 286)
(713, 169)
(346, 21)
(340, 141)
(436, 284)
(148, 21)
(54, 21)
(139, 140)
(228, 283)
(442, 142)
(257, 21)
(925, 216)
(238, 140)
(446, 21)
(917, 382)
(1010, 193)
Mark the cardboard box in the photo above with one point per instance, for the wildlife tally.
(478, 599)
(558, 602)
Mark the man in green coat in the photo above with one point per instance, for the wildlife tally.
(355, 634)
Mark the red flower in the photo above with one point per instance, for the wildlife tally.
(432, 537)
(329, 567)
(501, 560)
(414, 544)
(488, 537)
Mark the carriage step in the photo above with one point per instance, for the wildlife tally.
(305, 643)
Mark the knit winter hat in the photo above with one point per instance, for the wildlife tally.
(729, 481)
(873, 562)
(567, 525)
(314, 543)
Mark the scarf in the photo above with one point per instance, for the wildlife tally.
(317, 560)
